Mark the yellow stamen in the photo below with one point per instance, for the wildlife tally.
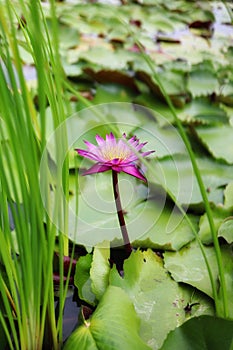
(110, 153)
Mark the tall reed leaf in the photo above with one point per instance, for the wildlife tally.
(26, 256)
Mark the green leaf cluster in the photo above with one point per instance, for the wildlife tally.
(158, 300)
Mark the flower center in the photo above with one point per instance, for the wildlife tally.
(110, 153)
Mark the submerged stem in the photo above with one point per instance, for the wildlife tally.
(120, 214)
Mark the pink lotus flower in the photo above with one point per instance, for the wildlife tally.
(117, 155)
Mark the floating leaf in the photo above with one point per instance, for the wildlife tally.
(114, 79)
(158, 300)
(173, 82)
(97, 217)
(176, 174)
(114, 325)
(218, 140)
(161, 227)
(149, 222)
(159, 108)
(188, 266)
(107, 58)
(72, 70)
(202, 83)
(111, 92)
(166, 141)
(204, 332)
(201, 111)
(202, 14)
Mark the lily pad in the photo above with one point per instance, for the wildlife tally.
(113, 322)
(162, 227)
(176, 174)
(149, 222)
(160, 109)
(188, 266)
(173, 82)
(107, 58)
(112, 92)
(202, 83)
(218, 140)
(158, 300)
(97, 217)
(201, 111)
(204, 332)
(166, 141)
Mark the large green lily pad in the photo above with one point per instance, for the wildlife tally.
(204, 332)
(165, 141)
(158, 300)
(176, 175)
(188, 266)
(114, 325)
(202, 79)
(149, 222)
(202, 111)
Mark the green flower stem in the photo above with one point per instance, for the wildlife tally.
(120, 214)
